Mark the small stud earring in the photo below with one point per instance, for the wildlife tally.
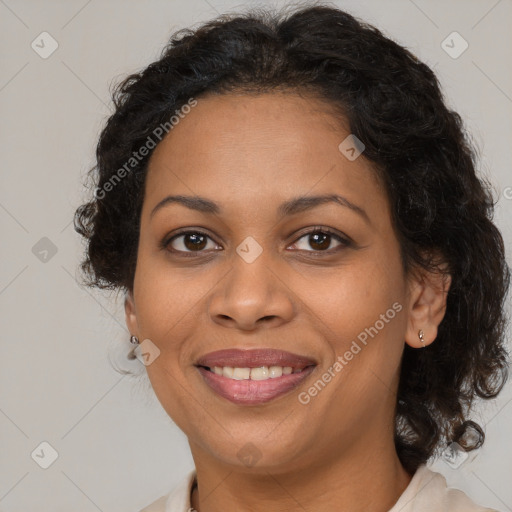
(134, 340)
(420, 334)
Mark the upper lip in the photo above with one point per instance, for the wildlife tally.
(254, 358)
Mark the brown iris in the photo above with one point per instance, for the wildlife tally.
(325, 240)
(194, 241)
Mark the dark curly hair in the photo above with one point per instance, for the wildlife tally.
(418, 146)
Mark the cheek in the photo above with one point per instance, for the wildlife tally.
(364, 323)
(162, 293)
(164, 301)
(167, 315)
(172, 308)
(361, 309)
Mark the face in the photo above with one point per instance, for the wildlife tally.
(319, 279)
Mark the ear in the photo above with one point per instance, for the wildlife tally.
(427, 305)
(131, 313)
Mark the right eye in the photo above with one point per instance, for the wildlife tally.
(188, 242)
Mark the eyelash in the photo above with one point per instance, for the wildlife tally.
(345, 242)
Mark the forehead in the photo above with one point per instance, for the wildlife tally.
(256, 150)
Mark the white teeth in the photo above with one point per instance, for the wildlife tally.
(260, 373)
(241, 373)
(227, 371)
(275, 371)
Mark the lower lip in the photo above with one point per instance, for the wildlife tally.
(253, 392)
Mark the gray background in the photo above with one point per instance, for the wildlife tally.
(117, 449)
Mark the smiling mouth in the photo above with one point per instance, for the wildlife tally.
(253, 386)
(257, 373)
(253, 377)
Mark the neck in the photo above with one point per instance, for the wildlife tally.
(371, 482)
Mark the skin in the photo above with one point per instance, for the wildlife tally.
(249, 154)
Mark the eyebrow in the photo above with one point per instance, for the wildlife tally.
(288, 208)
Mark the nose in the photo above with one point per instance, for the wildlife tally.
(251, 296)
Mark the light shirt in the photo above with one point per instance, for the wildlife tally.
(427, 492)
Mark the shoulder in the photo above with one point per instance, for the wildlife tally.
(428, 492)
(178, 500)
(156, 506)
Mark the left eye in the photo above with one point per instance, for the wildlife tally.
(321, 240)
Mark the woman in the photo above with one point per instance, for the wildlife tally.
(313, 278)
